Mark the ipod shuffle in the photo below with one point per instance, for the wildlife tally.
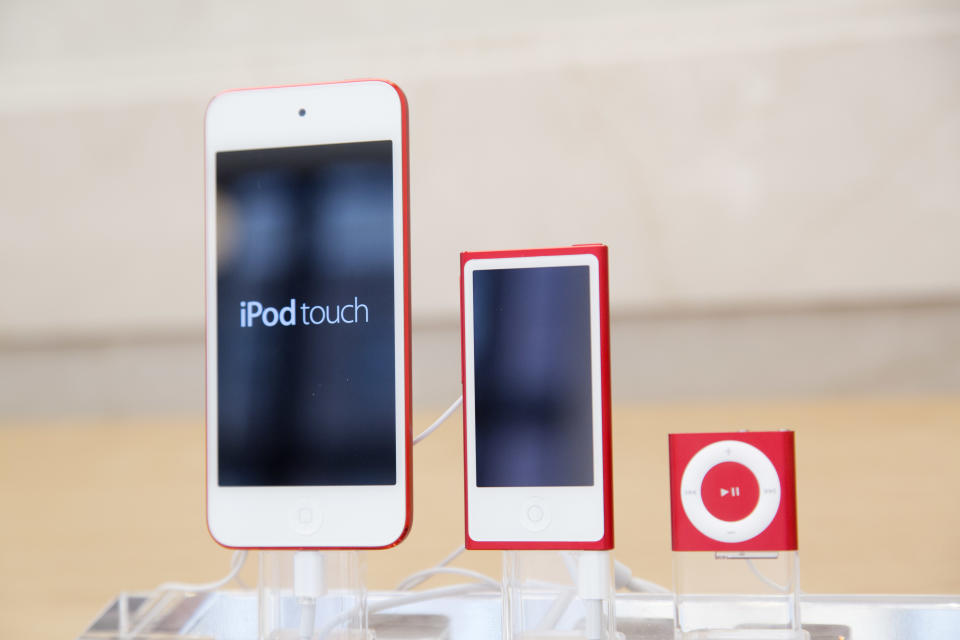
(733, 491)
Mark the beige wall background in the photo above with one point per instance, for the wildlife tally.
(778, 183)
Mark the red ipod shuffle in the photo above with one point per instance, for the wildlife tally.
(733, 491)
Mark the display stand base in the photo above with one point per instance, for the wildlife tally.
(558, 595)
(737, 596)
(312, 595)
(232, 615)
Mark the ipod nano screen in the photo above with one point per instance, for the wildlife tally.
(305, 316)
(532, 377)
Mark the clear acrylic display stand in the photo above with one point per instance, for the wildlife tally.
(316, 595)
(558, 595)
(736, 595)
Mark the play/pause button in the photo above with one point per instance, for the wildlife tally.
(730, 491)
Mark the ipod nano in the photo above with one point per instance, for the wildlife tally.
(536, 399)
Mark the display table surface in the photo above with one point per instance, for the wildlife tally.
(232, 615)
(92, 509)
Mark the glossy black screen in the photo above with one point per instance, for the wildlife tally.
(305, 316)
(532, 377)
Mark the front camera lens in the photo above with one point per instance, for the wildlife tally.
(303, 112)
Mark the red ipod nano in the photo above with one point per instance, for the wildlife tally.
(535, 346)
(733, 491)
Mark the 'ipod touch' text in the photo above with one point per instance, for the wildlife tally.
(253, 311)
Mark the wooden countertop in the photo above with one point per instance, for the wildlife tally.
(90, 509)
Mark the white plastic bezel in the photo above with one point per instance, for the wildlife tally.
(768, 500)
(498, 514)
(266, 517)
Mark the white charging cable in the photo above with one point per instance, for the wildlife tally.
(416, 579)
(237, 560)
(623, 578)
(439, 421)
(419, 576)
(160, 597)
(767, 581)
(308, 577)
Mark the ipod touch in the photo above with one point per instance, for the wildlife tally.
(307, 317)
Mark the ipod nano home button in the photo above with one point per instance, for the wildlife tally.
(534, 515)
(305, 518)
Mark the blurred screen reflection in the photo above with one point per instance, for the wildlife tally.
(532, 377)
(305, 285)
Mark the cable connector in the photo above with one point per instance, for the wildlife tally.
(593, 587)
(593, 575)
(309, 583)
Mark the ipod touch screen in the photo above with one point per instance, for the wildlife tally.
(305, 302)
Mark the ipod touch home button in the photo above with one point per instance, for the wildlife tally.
(535, 516)
(305, 518)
